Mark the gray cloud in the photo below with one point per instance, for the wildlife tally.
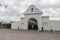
(17, 7)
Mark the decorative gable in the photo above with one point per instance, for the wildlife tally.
(32, 9)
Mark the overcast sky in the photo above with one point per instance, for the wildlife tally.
(12, 10)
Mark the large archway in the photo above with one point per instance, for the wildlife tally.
(32, 24)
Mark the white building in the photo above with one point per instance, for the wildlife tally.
(34, 20)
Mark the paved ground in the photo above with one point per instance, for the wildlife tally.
(7, 34)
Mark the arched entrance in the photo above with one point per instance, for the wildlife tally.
(32, 24)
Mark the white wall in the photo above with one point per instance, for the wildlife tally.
(15, 25)
(22, 22)
(45, 22)
(55, 25)
(27, 17)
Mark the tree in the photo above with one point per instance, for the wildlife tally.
(1, 24)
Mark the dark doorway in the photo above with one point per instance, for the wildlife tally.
(32, 24)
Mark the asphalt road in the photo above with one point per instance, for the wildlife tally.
(7, 34)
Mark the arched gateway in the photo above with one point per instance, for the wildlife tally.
(33, 20)
(32, 24)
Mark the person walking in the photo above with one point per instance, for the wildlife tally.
(42, 29)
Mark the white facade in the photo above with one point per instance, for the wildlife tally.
(42, 21)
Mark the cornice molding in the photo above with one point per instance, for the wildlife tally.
(33, 13)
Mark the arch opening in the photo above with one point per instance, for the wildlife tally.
(32, 24)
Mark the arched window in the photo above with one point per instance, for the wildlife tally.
(31, 9)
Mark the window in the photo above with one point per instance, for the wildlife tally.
(31, 9)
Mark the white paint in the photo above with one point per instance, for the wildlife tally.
(43, 21)
(15, 25)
